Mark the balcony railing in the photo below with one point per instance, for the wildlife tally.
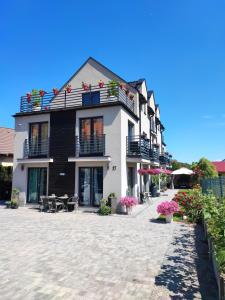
(154, 153)
(137, 146)
(165, 158)
(36, 148)
(90, 145)
(76, 98)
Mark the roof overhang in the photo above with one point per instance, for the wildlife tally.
(138, 160)
(90, 159)
(34, 160)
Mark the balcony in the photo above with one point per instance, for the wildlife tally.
(36, 148)
(165, 158)
(154, 153)
(137, 146)
(90, 145)
(77, 98)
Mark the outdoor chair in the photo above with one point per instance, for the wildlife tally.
(43, 203)
(55, 205)
(73, 202)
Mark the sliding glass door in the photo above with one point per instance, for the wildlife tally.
(37, 184)
(90, 186)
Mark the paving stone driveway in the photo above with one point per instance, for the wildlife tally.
(86, 256)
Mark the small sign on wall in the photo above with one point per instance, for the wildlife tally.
(62, 174)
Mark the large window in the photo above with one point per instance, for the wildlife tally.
(38, 139)
(91, 98)
(91, 136)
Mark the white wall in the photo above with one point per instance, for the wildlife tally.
(22, 133)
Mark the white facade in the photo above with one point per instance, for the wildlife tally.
(116, 161)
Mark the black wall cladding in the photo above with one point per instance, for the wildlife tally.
(62, 146)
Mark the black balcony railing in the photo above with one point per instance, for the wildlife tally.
(79, 97)
(90, 145)
(154, 153)
(36, 148)
(137, 146)
(165, 158)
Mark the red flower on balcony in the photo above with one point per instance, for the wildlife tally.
(55, 91)
(131, 97)
(127, 92)
(42, 93)
(68, 88)
(28, 97)
(85, 86)
(46, 108)
(101, 84)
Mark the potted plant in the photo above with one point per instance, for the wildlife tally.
(168, 208)
(131, 97)
(85, 86)
(128, 202)
(101, 84)
(68, 88)
(55, 91)
(127, 92)
(42, 93)
(28, 97)
(113, 88)
(36, 100)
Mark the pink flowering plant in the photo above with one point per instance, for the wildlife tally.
(128, 201)
(167, 208)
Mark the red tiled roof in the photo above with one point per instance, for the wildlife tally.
(220, 166)
(6, 140)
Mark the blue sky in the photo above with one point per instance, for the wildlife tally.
(178, 46)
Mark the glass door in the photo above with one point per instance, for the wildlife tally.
(37, 184)
(130, 181)
(91, 186)
(84, 185)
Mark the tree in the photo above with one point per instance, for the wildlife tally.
(177, 165)
(204, 168)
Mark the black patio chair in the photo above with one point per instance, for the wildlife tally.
(74, 203)
(43, 203)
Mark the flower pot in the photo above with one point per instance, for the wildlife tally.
(101, 84)
(169, 218)
(129, 210)
(56, 92)
(36, 108)
(42, 93)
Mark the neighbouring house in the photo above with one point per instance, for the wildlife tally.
(6, 162)
(220, 167)
(6, 146)
(89, 137)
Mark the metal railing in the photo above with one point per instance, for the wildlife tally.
(76, 98)
(36, 148)
(154, 153)
(137, 146)
(90, 145)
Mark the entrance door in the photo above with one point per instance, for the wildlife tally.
(130, 181)
(90, 186)
(37, 184)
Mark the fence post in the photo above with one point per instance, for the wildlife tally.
(221, 186)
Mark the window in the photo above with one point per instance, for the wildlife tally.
(38, 139)
(130, 181)
(91, 98)
(130, 129)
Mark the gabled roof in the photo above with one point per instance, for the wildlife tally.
(6, 141)
(136, 83)
(220, 166)
(100, 64)
(149, 93)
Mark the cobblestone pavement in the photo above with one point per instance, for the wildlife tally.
(86, 256)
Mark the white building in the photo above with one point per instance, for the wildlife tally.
(89, 139)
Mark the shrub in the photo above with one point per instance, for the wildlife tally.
(167, 208)
(104, 209)
(191, 204)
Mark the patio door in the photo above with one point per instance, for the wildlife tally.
(90, 186)
(37, 184)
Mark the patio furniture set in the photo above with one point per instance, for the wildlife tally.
(55, 204)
